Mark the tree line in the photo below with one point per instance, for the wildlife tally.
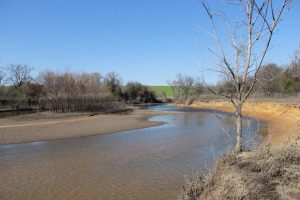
(68, 91)
(272, 81)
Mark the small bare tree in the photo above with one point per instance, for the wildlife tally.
(249, 40)
(185, 83)
(18, 74)
(174, 87)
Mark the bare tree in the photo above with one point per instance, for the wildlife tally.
(290, 79)
(185, 83)
(295, 65)
(2, 77)
(198, 87)
(242, 55)
(296, 55)
(113, 81)
(75, 92)
(268, 77)
(18, 74)
(174, 87)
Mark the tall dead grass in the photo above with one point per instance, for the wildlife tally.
(271, 172)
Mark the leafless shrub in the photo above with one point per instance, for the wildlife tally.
(86, 104)
(73, 92)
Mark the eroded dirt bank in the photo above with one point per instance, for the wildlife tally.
(46, 126)
(270, 172)
(283, 119)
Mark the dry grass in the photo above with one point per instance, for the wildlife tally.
(271, 172)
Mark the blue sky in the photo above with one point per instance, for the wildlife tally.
(145, 40)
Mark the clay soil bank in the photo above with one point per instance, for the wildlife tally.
(283, 119)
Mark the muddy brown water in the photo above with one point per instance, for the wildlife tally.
(147, 164)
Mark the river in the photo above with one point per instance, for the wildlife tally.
(147, 164)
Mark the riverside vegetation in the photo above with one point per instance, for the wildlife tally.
(68, 92)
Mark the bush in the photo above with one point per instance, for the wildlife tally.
(86, 104)
(135, 91)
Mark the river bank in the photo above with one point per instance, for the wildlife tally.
(283, 119)
(48, 126)
(270, 172)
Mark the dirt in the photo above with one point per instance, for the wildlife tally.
(283, 119)
(47, 126)
(271, 172)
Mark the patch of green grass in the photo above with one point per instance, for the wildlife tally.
(160, 89)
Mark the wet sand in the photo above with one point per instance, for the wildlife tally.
(283, 119)
(47, 126)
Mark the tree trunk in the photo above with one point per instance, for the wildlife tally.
(239, 134)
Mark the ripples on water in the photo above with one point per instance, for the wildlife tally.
(141, 164)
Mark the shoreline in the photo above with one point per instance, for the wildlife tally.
(283, 122)
(283, 119)
(34, 127)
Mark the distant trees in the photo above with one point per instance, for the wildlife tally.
(174, 87)
(198, 87)
(113, 82)
(76, 92)
(269, 78)
(185, 86)
(225, 87)
(17, 74)
(71, 84)
(68, 92)
(272, 80)
(2, 76)
(185, 83)
(135, 91)
(291, 76)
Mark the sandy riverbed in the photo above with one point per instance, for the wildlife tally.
(46, 126)
(283, 119)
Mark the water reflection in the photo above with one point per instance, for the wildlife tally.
(141, 164)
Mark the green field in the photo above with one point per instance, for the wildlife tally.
(160, 89)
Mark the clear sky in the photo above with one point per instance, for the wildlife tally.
(145, 40)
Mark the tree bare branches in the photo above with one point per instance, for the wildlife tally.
(18, 74)
(246, 50)
(2, 77)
